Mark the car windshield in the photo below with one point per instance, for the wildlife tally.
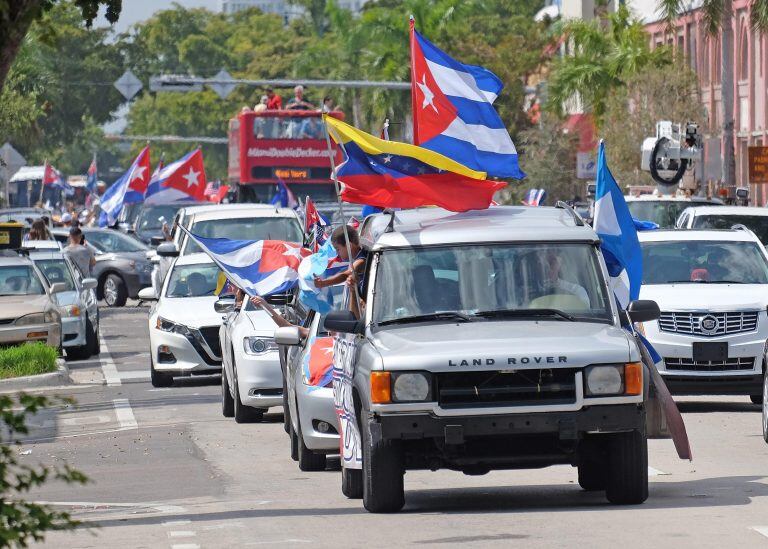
(56, 270)
(758, 224)
(662, 212)
(560, 281)
(151, 218)
(20, 280)
(114, 241)
(699, 261)
(193, 280)
(246, 228)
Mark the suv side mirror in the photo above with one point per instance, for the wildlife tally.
(224, 305)
(643, 310)
(344, 322)
(167, 249)
(288, 335)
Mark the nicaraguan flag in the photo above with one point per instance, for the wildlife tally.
(325, 263)
(258, 267)
(616, 228)
(453, 111)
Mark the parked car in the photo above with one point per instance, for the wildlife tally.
(76, 303)
(665, 209)
(28, 309)
(183, 326)
(712, 289)
(251, 379)
(313, 426)
(149, 219)
(725, 217)
(254, 222)
(122, 265)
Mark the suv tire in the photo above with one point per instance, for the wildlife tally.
(383, 490)
(159, 379)
(308, 460)
(227, 402)
(627, 471)
(352, 482)
(592, 463)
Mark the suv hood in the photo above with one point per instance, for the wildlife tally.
(497, 345)
(707, 297)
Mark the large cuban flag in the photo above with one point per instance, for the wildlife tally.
(114, 198)
(180, 180)
(453, 111)
(616, 228)
(258, 267)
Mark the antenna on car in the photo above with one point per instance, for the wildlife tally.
(576, 217)
(391, 225)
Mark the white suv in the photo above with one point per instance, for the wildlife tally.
(725, 217)
(712, 289)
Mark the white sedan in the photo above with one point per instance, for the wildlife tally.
(183, 326)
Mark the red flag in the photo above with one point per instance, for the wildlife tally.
(186, 175)
(51, 175)
(312, 216)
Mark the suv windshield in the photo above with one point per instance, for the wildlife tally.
(246, 228)
(110, 241)
(56, 270)
(663, 212)
(557, 281)
(699, 261)
(758, 224)
(193, 280)
(19, 280)
(151, 218)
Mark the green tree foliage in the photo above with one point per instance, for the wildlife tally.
(21, 521)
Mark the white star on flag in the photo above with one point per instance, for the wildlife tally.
(292, 251)
(138, 173)
(191, 177)
(387, 159)
(429, 97)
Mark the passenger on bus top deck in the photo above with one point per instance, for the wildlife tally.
(274, 101)
(262, 104)
(327, 104)
(297, 102)
(310, 128)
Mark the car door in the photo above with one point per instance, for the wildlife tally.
(296, 357)
(228, 326)
(87, 296)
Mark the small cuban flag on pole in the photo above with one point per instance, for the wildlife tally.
(616, 228)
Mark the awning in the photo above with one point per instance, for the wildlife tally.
(28, 173)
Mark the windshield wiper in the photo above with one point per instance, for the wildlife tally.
(443, 315)
(526, 313)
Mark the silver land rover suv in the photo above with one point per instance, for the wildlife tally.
(488, 340)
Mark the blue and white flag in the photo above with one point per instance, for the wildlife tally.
(453, 112)
(324, 264)
(616, 228)
(284, 197)
(258, 267)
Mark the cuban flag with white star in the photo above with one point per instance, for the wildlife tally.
(453, 112)
(618, 236)
(258, 267)
(180, 180)
(114, 197)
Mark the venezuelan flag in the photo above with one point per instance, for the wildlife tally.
(388, 174)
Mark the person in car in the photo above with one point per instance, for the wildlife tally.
(556, 285)
(276, 317)
(197, 285)
(339, 241)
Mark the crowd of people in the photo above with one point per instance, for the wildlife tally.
(286, 128)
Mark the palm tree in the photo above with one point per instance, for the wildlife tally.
(718, 17)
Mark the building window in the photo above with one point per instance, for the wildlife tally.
(718, 62)
(744, 55)
(705, 62)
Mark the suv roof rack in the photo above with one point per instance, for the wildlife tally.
(574, 214)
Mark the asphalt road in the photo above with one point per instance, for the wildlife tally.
(168, 470)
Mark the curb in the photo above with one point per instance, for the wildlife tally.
(52, 379)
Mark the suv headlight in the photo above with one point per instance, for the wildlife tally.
(256, 345)
(614, 379)
(70, 310)
(166, 325)
(37, 318)
(411, 386)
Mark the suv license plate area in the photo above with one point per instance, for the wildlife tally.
(710, 351)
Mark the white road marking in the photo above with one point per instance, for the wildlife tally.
(124, 413)
(108, 367)
(171, 523)
(134, 374)
(289, 540)
(185, 546)
(99, 504)
(762, 530)
(655, 472)
(181, 534)
(84, 420)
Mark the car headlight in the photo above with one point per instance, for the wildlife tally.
(166, 325)
(411, 387)
(37, 318)
(70, 310)
(255, 345)
(614, 379)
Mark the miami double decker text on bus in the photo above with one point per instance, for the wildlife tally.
(272, 145)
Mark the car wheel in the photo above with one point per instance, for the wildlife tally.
(77, 353)
(383, 489)
(227, 402)
(294, 444)
(97, 344)
(159, 379)
(308, 460)
(756, 399)
(592, 463)
(114, 291)
(91, 338)
(243, 413)
(627, 471)
(286, 409)
(352, 482)
(765, 406)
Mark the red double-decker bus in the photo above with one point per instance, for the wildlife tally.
(272, 145)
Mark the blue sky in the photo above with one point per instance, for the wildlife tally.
(139, 10)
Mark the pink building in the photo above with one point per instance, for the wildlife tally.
(750, 64)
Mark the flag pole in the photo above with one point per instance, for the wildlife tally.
(337, 185)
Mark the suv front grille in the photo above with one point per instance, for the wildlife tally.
(729, 364)
(715, 324)
(519, 388)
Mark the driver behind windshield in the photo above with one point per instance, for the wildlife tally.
(556, 285)
(197, 285)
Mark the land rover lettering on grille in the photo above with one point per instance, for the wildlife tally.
(510, 360)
